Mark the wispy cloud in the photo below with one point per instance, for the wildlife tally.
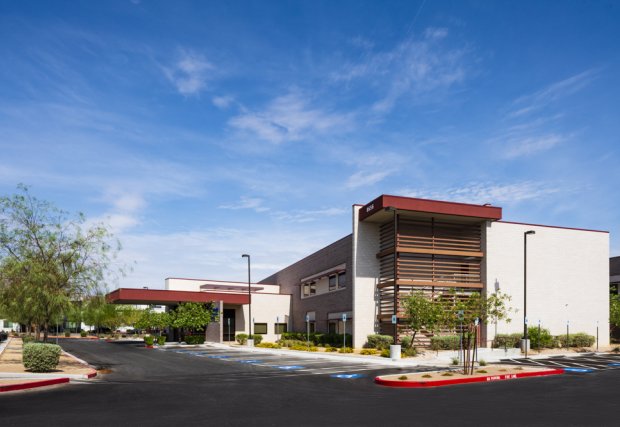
(487, 192)
(189, 74)
(525, 146)
(412, 67)
(363, 178)
(538, 100)
(223, 102)
(253, 203)
(290, 118)
(301, 216)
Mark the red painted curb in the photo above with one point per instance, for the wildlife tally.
(91, 374)
(32, 384)
(487, 378)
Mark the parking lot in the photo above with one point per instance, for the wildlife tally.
(583, 363)
(295, 364)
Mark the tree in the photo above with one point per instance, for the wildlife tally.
(48, 259)
(422, 313)
(193, 315)
(614, 311)
(150, 319)
(466, 312)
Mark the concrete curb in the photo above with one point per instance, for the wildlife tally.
(12, 375)
(4, 345)
(32, 384)
(93, 371)
(487, 378)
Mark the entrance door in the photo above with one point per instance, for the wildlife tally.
(229, 324)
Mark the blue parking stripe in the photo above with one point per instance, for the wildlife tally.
(614, 364)
(347, 376)
(289, 367)
(249, 361)
(219, 357)
(580, 370)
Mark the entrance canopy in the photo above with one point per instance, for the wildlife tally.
(167, 297)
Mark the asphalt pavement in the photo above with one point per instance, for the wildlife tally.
(155, 387)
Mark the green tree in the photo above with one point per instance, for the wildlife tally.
(422, 313)
(193, 315)
(150, 320)
(48, 259)
(614, 310)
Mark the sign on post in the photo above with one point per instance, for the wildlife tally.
(394, 319)
(344, 332)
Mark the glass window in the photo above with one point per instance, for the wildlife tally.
(260, 328)
(306, 289)
(280, 328)
(312, 327)
(332, 282)
(8, 325)
(342, 280)
(313, 288)
(331, 328)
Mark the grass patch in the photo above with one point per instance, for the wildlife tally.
(481, 371)
(403, 377)
(426, 376)
(447, 374)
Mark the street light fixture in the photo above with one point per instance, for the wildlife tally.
(249, 296)
(525, 337)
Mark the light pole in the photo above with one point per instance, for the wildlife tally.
(249, 296)
(525, 338)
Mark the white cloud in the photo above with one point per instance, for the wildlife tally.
(299, 216)
(364, 178)
(538, 100)
(222, 102)
(487, 192)
(254, 203)
(290, 118)
(189, 73)
(530, 145)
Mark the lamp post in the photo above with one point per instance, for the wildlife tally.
(249, 296)
(525, 338)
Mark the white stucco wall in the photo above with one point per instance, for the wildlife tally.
(567, 277)
(266, 308)
(365, 272)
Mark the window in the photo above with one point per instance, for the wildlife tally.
(280, 328)
(312, 288)
(332, 282)
(306, 289)
(312, 327)
(332, 327)
(8, 325)
(260, 328)
(342, 280)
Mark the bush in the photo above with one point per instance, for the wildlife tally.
(405, 341)
(545, 340)
(304, 348)
(331, 349)
(318, 339)
(410, 352)
(83, 334)
(445, 342)
(161, 340)
(455, 360)
(268, 345)
(482, 362)
(27, 339)
(67, 334)
(385, 352)
(507, 340)
(242, 339)
(148, 340)
(367, 351)
(291, 343)
(39, 357)
(257, 338)
(345, 350)
(380, 342)
(579, 339)
(194, 339)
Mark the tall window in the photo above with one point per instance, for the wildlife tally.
(342, 280)
(332, 282)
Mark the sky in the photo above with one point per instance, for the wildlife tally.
(199, 131)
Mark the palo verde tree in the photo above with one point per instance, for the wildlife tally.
(422, 313)
(467, 312)
(193, 315)
(48, 259)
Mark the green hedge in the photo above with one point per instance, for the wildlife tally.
(27, 339)
(83, 334)
(318, 339)
(257, 338)
(379, 342)
(545, 340)
(161, 340)
(579, 339)
(39, 357)
(445, 342)
(242, 339)
(194, 339)
(507, 340)
(148, 340)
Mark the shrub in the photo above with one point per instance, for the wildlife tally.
(482, 362)
(379, 342)
(268, 345)
(545, 340)
(455, 360)
(331, 349)
(403, 377)
(27, 339)
(257, 338)
(304, 348)
(385, 352)
(194, 339)
(161, 340)
(148, 340)
(242, 339)
(83, 334)
(405, 341)
(445, 342)
(67, 334)
(345, 350)
(39, 357)
(579, 339)
(410, 352)
(291, 343)
(366, 351)
(318, 339)
(507, 340)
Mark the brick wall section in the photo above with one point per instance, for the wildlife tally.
(289, 280)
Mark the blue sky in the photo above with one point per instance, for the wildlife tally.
(203, 130)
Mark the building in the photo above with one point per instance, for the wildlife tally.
(400, 244)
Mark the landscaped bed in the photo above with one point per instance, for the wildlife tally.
(481, 374)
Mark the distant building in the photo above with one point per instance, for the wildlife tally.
(402, 244)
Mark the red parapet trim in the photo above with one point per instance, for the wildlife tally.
(32, 384)
(493, 213)
(163, 296)
(555, 226)
(487, 378)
